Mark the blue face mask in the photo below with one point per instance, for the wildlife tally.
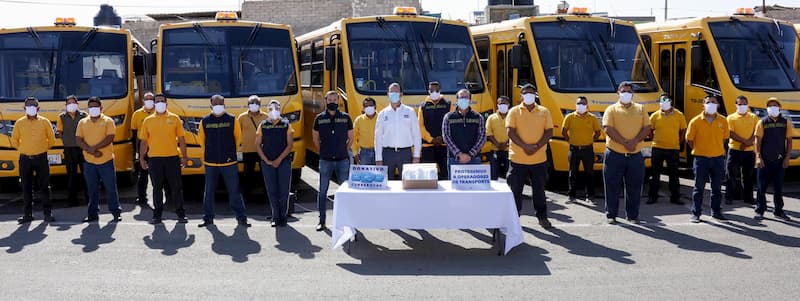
(394, 97)
(463, 103)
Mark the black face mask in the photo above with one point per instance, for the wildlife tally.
(333, 106)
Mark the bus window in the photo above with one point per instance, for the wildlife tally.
(340, 69)
(525, 72)
(680, 77)
(705, 75)
(647, 41)
(501, 74)
(664, 69)
(305, 65)
(317, 63)
(482, 47)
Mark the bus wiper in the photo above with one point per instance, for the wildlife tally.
(35, 36)
(87, 37)
(202, 32)
(250, 40)
(403, 43)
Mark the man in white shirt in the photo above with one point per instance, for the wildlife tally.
(396, 132)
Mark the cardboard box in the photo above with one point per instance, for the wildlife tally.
(420, 184)
(428, 173)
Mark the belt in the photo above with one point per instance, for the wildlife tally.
(397, 149)
(580, 147)
(368, 148)
(626, 154)
(36, 156)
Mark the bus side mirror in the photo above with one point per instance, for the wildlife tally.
(150, 64)
(138, 64)
(515, 57)
(697, 58)
(330, 56)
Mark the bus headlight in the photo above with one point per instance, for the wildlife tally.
(191, 124)
(6, 127)
(292, 116)
(118, 119)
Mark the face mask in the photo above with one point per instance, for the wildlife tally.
(254, 107)
(666, 105)
(94, 112)
(625, 97)
(773, 111)
(31, 110)
(218, 109)
(369, 111)
(710, 108)
(72, 107)
(581, 108)
(435, 95)
(394, 97)
(529, 98)
(463, 103)
(502, 108)
(332, 106)
(274, 114)
(161, 107)
(742, 109)
(148, 104)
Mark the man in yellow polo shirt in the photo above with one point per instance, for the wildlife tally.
(580, 129)
(248, 122)
(706, 136)
(364, 134)
(626, 124)
(669, 128)
(741, 159)
(136, 123)
(32, 136)
(95, 136)
(160, 134)
(497, 134)
(529, 128)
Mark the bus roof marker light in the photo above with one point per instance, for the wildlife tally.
(64, 22)
(744, 11)
(580, 11)
(226, 16)
(405, 11)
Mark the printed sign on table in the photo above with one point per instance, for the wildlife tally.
(368, 177)
(471, 177)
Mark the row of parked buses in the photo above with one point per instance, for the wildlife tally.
(565, 56)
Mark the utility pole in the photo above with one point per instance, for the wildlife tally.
(665, 10)
(764, 7)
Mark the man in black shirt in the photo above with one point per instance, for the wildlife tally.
(333, 136)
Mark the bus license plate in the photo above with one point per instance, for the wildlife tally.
(54, 159)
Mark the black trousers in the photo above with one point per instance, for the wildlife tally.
(537, 173)
(35, 168)
(671, 157)
(251, 179)
(73, 160)
(578, 156)
(166, 171)
(740, 166)
(438, 155)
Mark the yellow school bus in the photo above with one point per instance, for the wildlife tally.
(360, 57)
(52, 62)
(232, 58)
(727, 56)
(566, 56)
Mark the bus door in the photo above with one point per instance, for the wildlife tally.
(503, 73)
(672, 71)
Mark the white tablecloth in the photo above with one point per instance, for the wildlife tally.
(443, 208)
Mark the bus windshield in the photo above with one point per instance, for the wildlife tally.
(592, 56)
(757, 55)
(53, 65)
(230, 61)
(412, 54)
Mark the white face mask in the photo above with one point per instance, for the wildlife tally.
(369, 111)
(161, 107)
(31, 110)
(666, 105)
(435, 95)
(94, 111)
(710, 108)
(742, 109)
(254, 107)
(394, 97)
(463, 103)
(274, 114)
(72, 108)
(148, 104)
(502, 108)
(581, 108)
(529, 98)
(773, 111)
(218, 109)
(625, 97)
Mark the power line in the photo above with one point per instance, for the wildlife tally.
(52, 3)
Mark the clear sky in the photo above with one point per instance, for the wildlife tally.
(20, 13)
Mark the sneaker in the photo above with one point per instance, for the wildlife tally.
(545, 223)
(117, 218)
(243, 222)
(205, 223)
(695, 219)
(321, 226)
(782, 216)
(719, 217)
(611, 221)
(25, 219)
(155, 221)
(758, 216)
(182, 220)
(634, 221)
(91, 219)
(590, 199)
(275, 224)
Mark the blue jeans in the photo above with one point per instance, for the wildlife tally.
(499, 162)
(618, 170)
(230, 175)
(367, 156)
(452, 161)
(772, 172)
(94, 173)
(278, 181)
(326, 170)
(705, 168)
